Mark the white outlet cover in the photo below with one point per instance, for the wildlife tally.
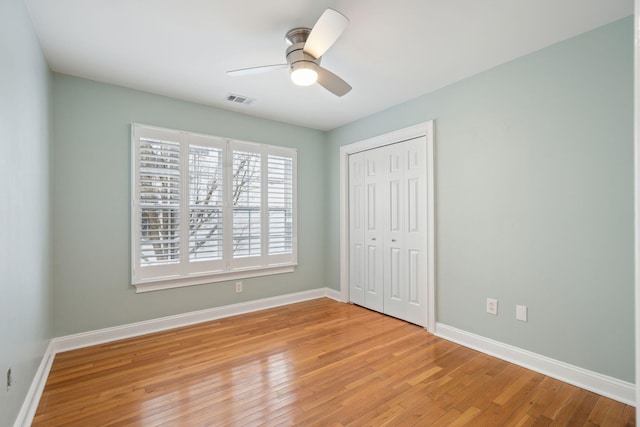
(521, 312)
(492, 306)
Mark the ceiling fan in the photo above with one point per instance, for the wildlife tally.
(307, 45)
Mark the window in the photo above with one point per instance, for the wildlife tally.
(207, 209)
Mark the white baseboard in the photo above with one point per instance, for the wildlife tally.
(101, 336)
(604, 385)
(335, 295)
(30, 404)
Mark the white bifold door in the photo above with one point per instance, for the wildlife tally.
(388, 229)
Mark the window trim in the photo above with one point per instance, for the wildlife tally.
(179, 275)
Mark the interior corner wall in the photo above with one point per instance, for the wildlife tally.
(91, 201)
(534, 198)
(25, 302)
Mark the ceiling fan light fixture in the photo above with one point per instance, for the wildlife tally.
(304, 76)
(304, 73)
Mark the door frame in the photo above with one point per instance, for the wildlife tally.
(416, 131)
(636, 202)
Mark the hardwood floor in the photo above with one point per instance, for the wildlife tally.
(318, 362)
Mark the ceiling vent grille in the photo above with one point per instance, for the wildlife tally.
(239, 99)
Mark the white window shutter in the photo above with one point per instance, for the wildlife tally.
(205, 203)
(159, 201)
(280, 204)
(246, 201)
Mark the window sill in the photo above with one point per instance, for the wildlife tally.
(173, 282)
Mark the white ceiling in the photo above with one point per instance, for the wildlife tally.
(392, 51)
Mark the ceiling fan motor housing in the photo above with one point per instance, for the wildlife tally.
(297, 58)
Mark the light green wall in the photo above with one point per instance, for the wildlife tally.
(534, 198)
(91, 196)
(25, 303)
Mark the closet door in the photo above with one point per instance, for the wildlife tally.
(356, 229)
(388, 230)
(394, 255)
(374, 181)
(406, 233)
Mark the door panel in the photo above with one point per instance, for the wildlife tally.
(395, 211)
(373, 267)
(413, 278)
(413, 205)
(372, 203)
(394, 274)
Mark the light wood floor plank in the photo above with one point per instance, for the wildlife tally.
(316, 363)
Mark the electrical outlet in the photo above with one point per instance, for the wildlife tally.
(492, 306)
(238, 287)
(521, 313)
(9, 379)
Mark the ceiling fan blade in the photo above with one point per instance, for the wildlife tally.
(256, 70)
(326, 31)
(332, 83)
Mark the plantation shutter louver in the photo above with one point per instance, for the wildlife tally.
(246, 201)
(280, 204)
(159, 198)
(205, 203)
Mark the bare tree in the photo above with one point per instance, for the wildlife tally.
(161, 215)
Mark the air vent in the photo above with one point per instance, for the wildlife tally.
(239, 99)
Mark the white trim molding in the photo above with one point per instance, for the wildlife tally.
(157, 285)
(30, 403)
(422, 129)
(604, 385)
(636, 192)
(335, 295)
